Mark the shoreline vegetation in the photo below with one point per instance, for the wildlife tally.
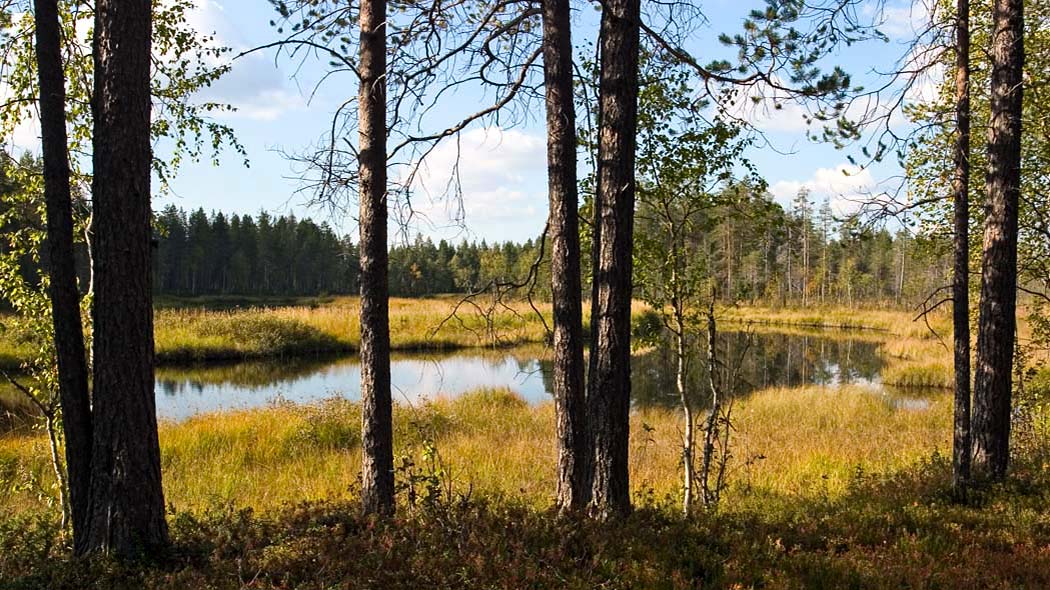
(829, 487)
(195, 330)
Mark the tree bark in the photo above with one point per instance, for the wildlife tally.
(65, 298)
(377, 467)
(961, 443)
(609, 394)
(997, 321)
(569, 393)
(127, 499)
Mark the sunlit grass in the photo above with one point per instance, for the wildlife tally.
(802, 441)
(415, 324)
(895, 321)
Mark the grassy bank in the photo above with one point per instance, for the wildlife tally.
(234, 328)
(415, 324)
(894, 321)
(238, 328)
(829, 488)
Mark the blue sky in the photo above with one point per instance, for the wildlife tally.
(503, 170)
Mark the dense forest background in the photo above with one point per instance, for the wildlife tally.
(759, 252)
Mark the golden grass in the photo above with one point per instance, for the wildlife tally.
(918, 362)
(415, 324)
(816, 438)
(811, 439)
(898, 322)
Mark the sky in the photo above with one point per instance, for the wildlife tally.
(503, 171)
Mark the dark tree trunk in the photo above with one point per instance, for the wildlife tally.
(65, 298)
(569, 393)
(127, 499)
(961, 443)
(377, 493)
(997, 322)
(609, 394)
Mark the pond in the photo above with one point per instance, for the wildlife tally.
(763, 360)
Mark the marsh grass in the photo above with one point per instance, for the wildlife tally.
(894, 321)
(794, 442)
(16, 412)
(415, 325)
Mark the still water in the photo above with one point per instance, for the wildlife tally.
(764, 360)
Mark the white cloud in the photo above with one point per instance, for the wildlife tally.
(845, 186)
(254, 85)
(256, 89)
(768, 109)
(502, 175)
(901, 21)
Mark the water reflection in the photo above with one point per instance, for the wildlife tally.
(771, 360)
(185, 391)
(759, 361)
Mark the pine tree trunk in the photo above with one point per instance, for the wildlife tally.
(961, 442)
(609, 394)
(569, 392)
(997, 321)
(127, 499)
(65, 298)
(377, 467)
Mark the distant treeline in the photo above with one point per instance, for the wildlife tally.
(202, 254)
(214, 254)
(758, 252)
